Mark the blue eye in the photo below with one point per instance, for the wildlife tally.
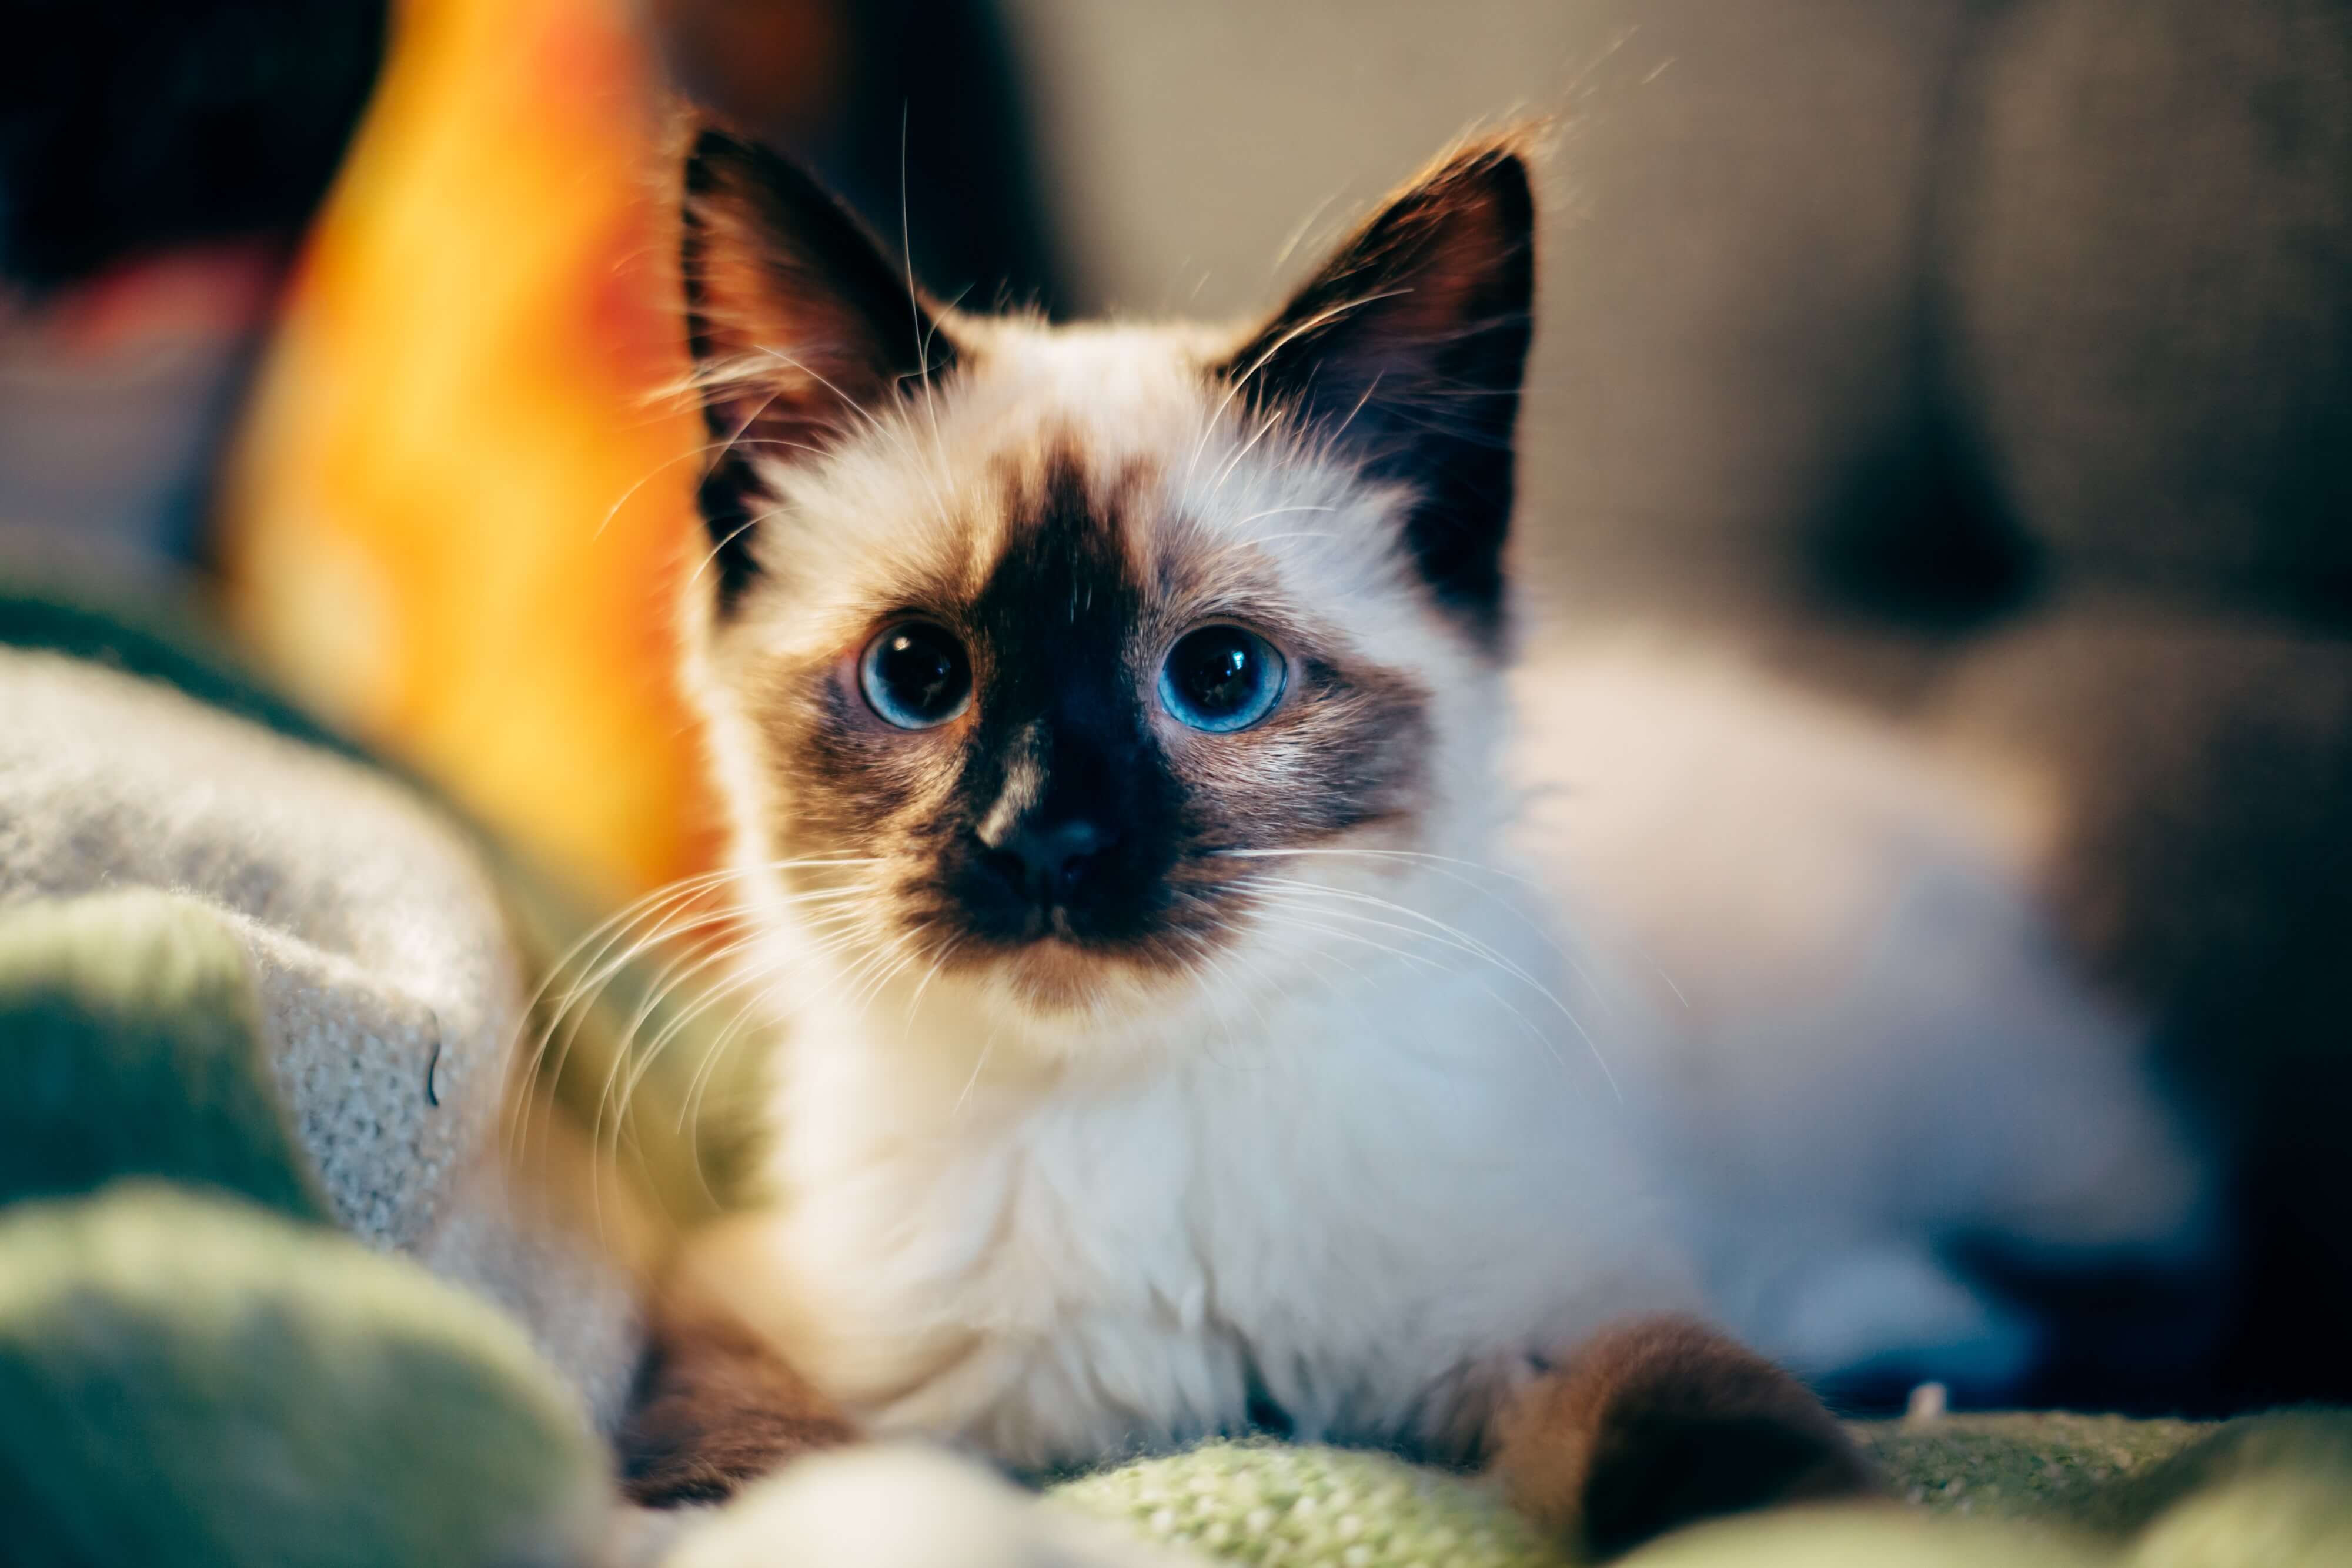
(915, 675)
(1222, 678)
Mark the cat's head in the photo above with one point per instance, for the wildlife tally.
(1054, 653)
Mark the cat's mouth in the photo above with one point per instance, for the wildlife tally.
(1061, 969)
(1054, 974)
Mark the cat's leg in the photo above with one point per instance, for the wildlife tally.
(1660, 1423)
(714, 1408)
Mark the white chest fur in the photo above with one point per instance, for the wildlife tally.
(1369, 1197)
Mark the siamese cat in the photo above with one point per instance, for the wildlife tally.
(1170, 1031)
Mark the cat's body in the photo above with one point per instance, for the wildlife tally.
(1166, 1036)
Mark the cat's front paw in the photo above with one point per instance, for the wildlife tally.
(901, 1506)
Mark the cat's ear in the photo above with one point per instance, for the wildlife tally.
(801, 326)
(1408, 348)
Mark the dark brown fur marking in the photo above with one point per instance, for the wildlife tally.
(1661, 1423)
(1066, 632)
(714, 1410)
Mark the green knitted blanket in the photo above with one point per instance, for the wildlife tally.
(1974, 1492)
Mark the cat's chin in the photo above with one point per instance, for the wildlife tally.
(1059, 987)
(1052, 977)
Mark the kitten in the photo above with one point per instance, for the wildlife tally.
(1170, 1040)
(1113, 720)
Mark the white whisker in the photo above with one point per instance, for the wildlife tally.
(1453, 936)
(1441, 866)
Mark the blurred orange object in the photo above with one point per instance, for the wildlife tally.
(458, 510)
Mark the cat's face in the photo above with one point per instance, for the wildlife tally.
(1048, 651)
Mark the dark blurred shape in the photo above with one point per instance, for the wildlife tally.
(114, 407)
(158, 162)
(129, 128)
(2141, 1336)
(1954, 558)
(912, 110)
(2146, 286)
(2129, 342)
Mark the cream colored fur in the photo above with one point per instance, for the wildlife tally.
(1864, 1040)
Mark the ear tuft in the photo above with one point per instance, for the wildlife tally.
(800, 324)
(1409, 347)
